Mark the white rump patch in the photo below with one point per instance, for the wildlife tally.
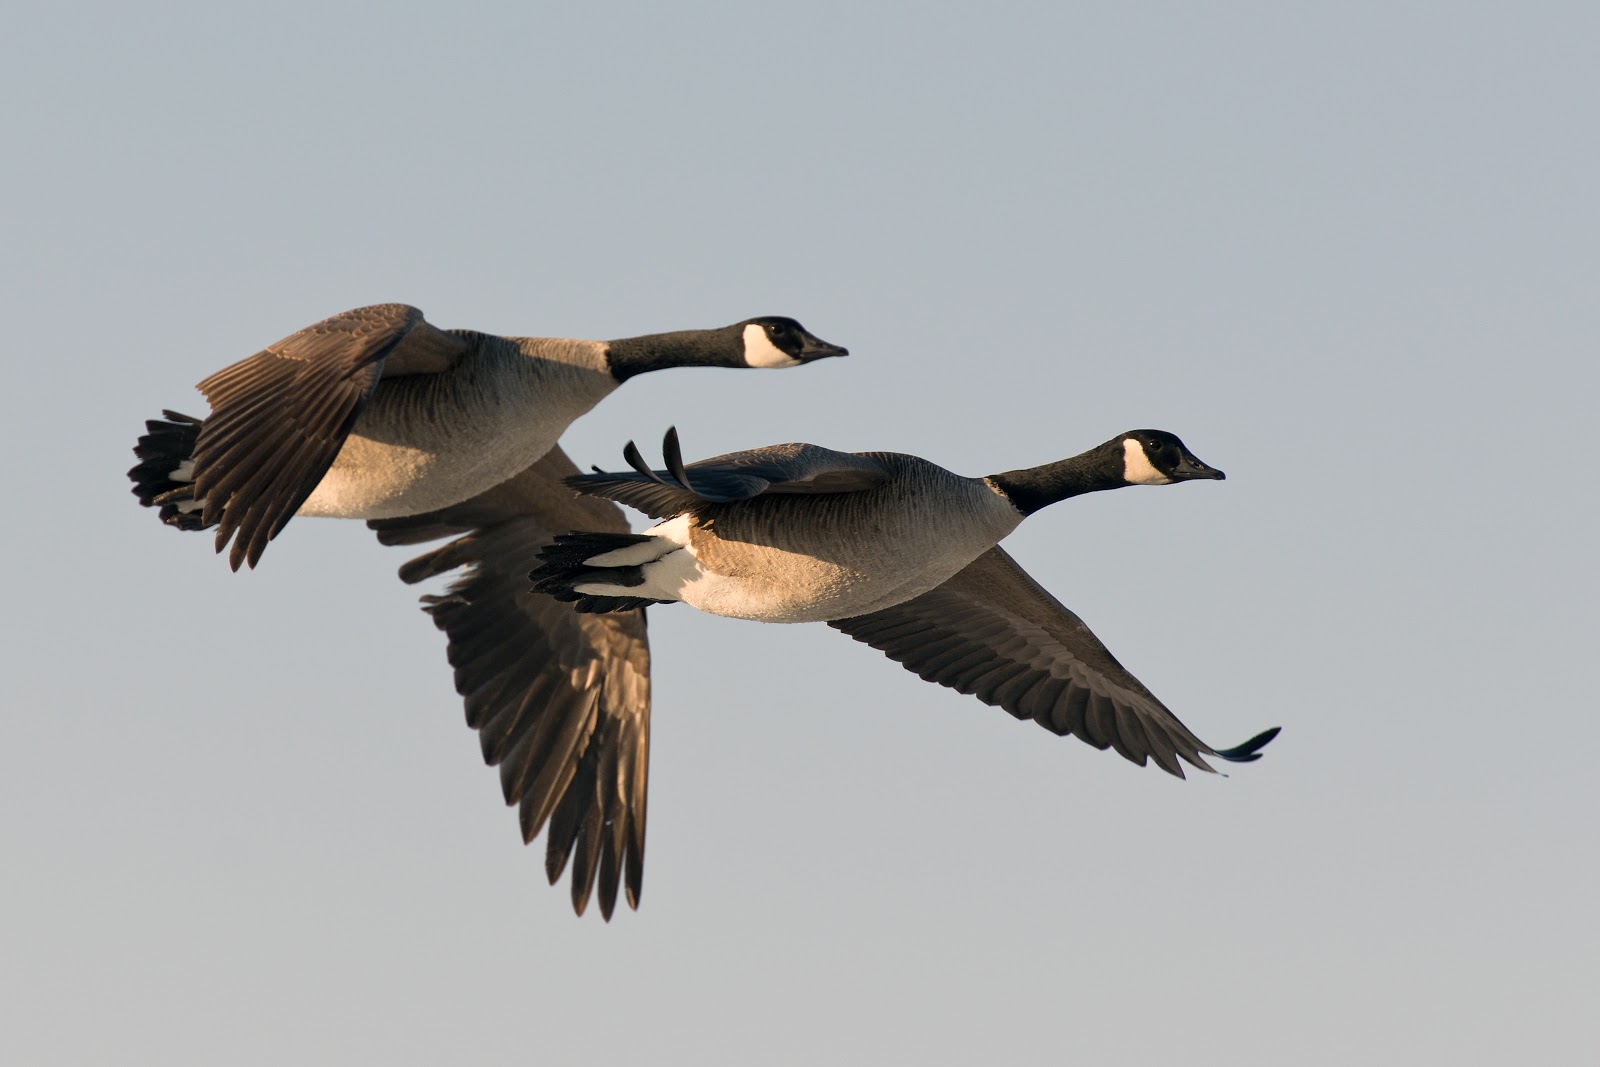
(664, 537)
(667, 560)
(183, 472)
(1136, 466)
(759, 351)
(664, 577)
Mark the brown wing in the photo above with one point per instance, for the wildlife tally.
(561, 701)
(279, 418)
(994, 632)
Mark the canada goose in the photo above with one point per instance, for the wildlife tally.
(428, 433)
(377, 414)
(899, 553)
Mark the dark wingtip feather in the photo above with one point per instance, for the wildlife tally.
(672, 452)
(631, 454)
(1250, 751)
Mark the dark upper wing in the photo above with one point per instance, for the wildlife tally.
(993, 631)
(561, 701)
(791, 468)
(279, 418)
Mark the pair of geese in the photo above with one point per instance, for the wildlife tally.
(427, 434)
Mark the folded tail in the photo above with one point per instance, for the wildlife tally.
(164, 476)
(593, 571)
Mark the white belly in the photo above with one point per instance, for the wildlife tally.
(380, 480)
(768, 601)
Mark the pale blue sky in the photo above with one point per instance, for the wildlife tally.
(1350, 253)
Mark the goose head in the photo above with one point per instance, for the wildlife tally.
(1156, 457)
(774, 341)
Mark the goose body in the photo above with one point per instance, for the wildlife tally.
(815, 557)
(515, 397)
(375, 413)
(898, 552)
(429, 434)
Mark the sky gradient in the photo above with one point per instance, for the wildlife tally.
(1350, 256)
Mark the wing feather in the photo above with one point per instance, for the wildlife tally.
(994, 632)
(561, 701)
(279, 417)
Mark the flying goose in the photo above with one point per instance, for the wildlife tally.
(899, 553)
(427, 433)
(377, 414)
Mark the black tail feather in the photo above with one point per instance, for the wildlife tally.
(565, 564)
(163, 448)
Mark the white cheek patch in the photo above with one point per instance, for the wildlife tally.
(759, 351)
(1136, 466)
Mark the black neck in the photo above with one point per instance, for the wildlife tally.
(682, 348)
(1032, 488)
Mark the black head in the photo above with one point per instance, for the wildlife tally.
(777, 341)
(1156, 457)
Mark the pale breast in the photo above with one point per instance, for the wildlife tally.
(429, 441)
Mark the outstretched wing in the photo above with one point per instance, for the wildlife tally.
(279, 418)
(993, 632)
(561, 701)
(790, 468)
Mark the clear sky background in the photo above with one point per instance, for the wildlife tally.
(1350, 253)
